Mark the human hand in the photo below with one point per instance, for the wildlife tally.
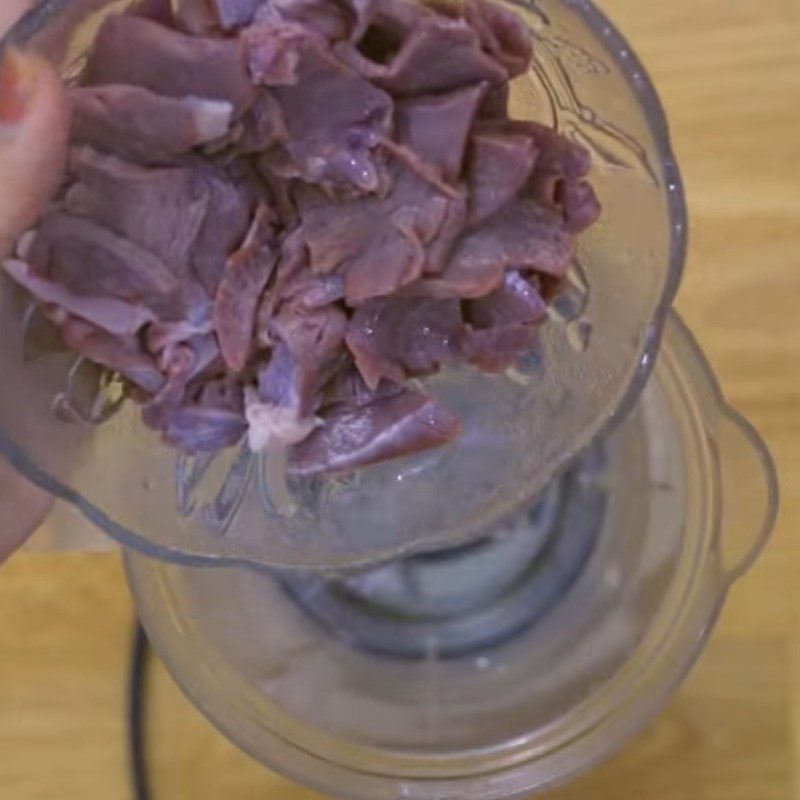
(34, 126)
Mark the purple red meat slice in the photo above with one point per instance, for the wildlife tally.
(402, 337)
(237, 300)
(139, 52)
(142, 126)
(390, 427)
(502, 326)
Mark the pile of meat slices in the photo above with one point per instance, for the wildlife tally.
(277, 212)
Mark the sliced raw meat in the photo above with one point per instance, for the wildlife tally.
(178, 366)
(272, 428)
(109, 314)
(380, 243)
(139, 125)
(437, 55)
(502, 33)
(332, 19)
(292, 266)
(561, 166)
(263, 125)
(307, 354)
(390, 427)
(213, 419)
(195, 17)
(181, 365)
(579, 203)
(195, 429)
(91, 260)
(239, 295)
(525, 237)
(335, 119)
(201, 17)
(272, 57)
(436, 128)
(234, 13)
(500, 166)
(222, 394)
(162, 336)
(349, 389)
(157, 10)
(161, 210)
(399, 338)
(137, 51)
(314, 291)
(503, 325)
(230, 211)
(117, 353)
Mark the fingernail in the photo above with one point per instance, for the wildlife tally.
(16, 84)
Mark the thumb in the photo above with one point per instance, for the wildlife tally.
(34, 126)
(34, 129)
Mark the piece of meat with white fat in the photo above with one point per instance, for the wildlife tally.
(307, 353)
(387, 428)
(399, 338)
(139, 52)
(139, 125)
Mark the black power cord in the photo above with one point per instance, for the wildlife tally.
(137, 688)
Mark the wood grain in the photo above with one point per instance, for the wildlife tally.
(729, 75)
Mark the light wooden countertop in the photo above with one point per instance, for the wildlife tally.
(729, 75)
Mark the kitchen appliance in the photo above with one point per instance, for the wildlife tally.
(481, 621)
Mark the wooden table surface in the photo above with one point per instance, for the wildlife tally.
(729, 75)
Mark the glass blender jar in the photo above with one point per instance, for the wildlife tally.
(477, 679)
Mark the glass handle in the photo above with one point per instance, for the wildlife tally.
(749, 494)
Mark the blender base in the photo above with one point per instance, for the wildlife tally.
(457, 601)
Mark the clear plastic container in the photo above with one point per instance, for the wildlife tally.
(585, 375)
(690, 499)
